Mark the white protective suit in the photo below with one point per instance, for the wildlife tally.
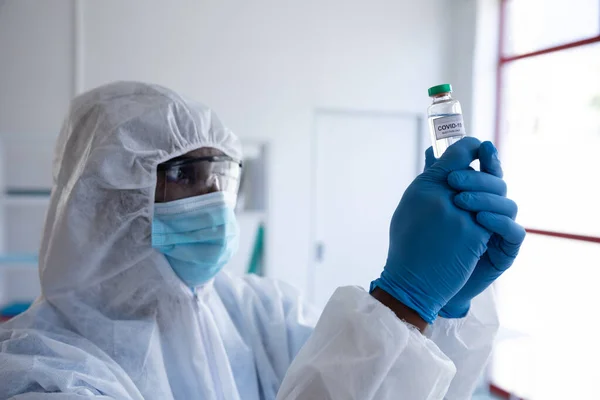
(114, 321)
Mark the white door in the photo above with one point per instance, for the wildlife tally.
(364, 162)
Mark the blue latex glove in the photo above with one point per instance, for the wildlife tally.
(434, 245)
(484, 193)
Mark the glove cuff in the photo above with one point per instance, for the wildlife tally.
(402, 296)
(453, 311)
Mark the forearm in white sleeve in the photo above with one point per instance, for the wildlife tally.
(468, 343)
(361, 350)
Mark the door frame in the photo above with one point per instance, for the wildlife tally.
(320, 112)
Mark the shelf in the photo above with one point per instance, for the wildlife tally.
(18, 260)
(24, 201)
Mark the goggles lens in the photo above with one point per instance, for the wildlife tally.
(189, 177)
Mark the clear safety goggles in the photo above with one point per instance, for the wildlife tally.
(188, 177)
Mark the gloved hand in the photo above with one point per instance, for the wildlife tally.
(484, 193)
(434, 245)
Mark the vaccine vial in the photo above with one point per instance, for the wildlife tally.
(445, 119)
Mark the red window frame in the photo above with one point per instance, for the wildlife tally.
(503, 60)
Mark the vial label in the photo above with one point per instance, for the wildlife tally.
(446, 127)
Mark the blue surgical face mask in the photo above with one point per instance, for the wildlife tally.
(198, 235)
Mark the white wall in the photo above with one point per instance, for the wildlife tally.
(484, 68)
(264, 66)
(471, 57)
(35, 89)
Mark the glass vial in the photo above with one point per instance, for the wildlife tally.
(445, 119)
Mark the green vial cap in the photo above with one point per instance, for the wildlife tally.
(435, 90)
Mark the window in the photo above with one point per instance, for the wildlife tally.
(548, 132)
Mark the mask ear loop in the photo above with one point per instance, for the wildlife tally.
(216, 183)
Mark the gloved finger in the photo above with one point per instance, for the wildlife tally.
(511, 233)
(429, 158)
(488, 159)
(460, 155)
(492, 265)
(481, 201)
(500, 254)
(475, 181)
